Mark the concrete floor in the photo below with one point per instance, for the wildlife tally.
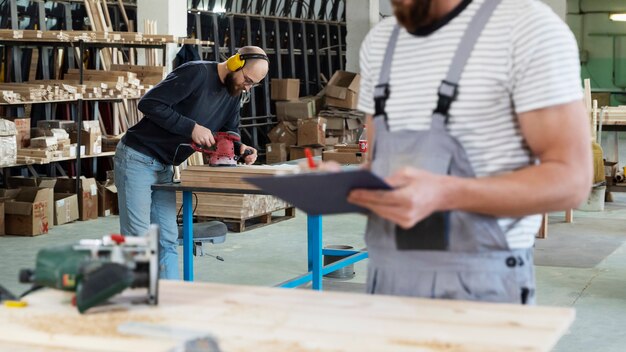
(270, 255)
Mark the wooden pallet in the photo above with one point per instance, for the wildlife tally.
(241, 225)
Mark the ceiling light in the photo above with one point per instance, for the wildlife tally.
(620, 17)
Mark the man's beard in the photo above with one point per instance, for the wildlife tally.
(413, 16)
(229, 81)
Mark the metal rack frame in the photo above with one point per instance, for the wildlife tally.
(299, 43)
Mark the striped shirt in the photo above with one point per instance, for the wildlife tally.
(525, 59)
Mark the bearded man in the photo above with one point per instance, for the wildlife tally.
(474, 111)
(189, 105)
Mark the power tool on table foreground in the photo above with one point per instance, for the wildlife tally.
(222, 153)
(97, 270)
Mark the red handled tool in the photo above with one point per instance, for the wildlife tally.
(222, 153)
(309, 158)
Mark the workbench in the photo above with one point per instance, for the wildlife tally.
(315, 251)
(246, 318)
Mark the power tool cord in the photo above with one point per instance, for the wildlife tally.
(31, 290)
(178, 222)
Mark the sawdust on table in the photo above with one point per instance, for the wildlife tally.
(277, 345)
(431, 345)
(103, 324)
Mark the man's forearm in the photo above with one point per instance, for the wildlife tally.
(532, 190)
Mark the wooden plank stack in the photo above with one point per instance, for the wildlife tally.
(240, 212)
(230, 177)
(152, 57)
(614, 115)
(99, 23)
(236, 209)
(147, 75)
(36, 91)
(105, 37)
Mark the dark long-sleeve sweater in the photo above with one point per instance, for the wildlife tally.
(192, 93)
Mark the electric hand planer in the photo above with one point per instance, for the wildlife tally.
(96, 270)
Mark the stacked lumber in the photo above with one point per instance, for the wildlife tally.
(147, 75)
(614, 115)
(194, 41)
(15, 93)
(117, 84)
(104, 37)
(231, 177)
(234, 206)
(100, 22)
(152, 57)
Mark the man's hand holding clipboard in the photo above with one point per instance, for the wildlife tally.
(321, 192)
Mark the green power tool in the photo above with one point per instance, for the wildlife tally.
(97, 270)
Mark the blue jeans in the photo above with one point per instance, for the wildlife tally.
(139, 206)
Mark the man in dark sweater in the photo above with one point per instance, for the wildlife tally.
(194, 101)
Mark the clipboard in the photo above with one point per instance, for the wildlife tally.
(320, 193)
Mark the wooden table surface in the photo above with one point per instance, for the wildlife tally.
(246, 318)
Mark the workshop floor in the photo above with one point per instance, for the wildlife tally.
(596, 286)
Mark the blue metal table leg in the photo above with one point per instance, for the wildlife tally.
(187, 237)
(314, 239)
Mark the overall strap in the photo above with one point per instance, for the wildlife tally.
(381, 90)
(448, 90)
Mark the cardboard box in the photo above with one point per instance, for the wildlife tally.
(22, 125)
(303, 108)
(6, 195)
(275, 153)
(69, 151)
(63, 124)
(285, 89)
(312, 132)
(92, 140)
(297, 152)
(284, 132)
(107, 198)
(87, 199)
(342, 90)
(63, 143)
(341, 137)
(109, 143)
(27, 215)
(48, 143)
(60, 133)
(8, 143)
(16, 182)
(342, 124)
(344, 158)
(65, 208)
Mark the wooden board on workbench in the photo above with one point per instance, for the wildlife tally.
(246, 318)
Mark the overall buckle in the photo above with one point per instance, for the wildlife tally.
(447, 93)
(381, 94)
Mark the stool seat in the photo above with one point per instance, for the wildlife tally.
(212, 232)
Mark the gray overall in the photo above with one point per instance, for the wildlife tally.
(449, 255)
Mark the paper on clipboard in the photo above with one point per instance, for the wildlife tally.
(320, 193)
